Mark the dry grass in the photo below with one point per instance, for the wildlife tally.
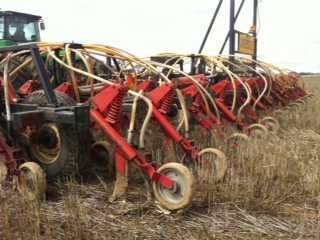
(271, 191)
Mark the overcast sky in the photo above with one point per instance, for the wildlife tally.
(289, 34)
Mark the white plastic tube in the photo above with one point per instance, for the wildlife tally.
(6, 88)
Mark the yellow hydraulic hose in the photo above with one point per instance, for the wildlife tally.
(245, 86)
(199, 87)
(148, 102)
(72, 74)
(88, 67)
(231, 77)
(140, 62)
(264, 79)
(147, 118)
(133, 117)
(266, 70)
(78, 70)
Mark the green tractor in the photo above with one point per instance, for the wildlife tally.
(16, 27)
(62, 156)
(19, 28)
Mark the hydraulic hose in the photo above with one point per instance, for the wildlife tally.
(6, 87)
(72, 74)
(133, 117)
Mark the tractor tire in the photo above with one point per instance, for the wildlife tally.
(38, 97)
(54, 146)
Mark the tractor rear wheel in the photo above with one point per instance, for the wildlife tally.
(53, 145)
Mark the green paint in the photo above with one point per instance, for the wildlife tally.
(6, 43)
(17, 27)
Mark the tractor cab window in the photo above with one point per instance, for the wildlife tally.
(1, 27)
(22, 29)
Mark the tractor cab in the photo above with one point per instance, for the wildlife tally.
(16, 27)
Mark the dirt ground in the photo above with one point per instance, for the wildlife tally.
(271, 191)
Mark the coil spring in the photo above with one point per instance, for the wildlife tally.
(113, 114)
(165, 106)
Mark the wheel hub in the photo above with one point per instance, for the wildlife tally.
(175, 193)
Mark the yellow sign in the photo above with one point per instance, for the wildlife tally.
(246, 44)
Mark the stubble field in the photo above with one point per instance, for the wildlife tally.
(271, 191)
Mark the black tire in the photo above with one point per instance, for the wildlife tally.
(38, 97)
(67, 159)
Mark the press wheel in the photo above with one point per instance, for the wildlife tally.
(271, 123)
(213, 164)
(180, 196)
(257, 130)
(32, 181)
(3, 171)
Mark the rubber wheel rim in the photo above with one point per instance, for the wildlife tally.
(3, 172)
(32, 181)
(215, 167)
(294, 105)
(272, 124)
(257, 130)
(301, 101)
(279, 111)
(181, 195)
(237, 138)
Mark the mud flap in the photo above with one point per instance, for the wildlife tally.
(121, 183)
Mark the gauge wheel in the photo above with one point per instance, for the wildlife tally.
(294, 105)
(310, 95)
(257, 130)
(279, 111)
(271, 123)
(180, 196)
(3, 171)
(301, 101)
(237, 138)
(213, 164)
(32, 182)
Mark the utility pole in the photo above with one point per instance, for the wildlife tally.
(254, 30)
(232, 32)
(210, 26)
(235, 20)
